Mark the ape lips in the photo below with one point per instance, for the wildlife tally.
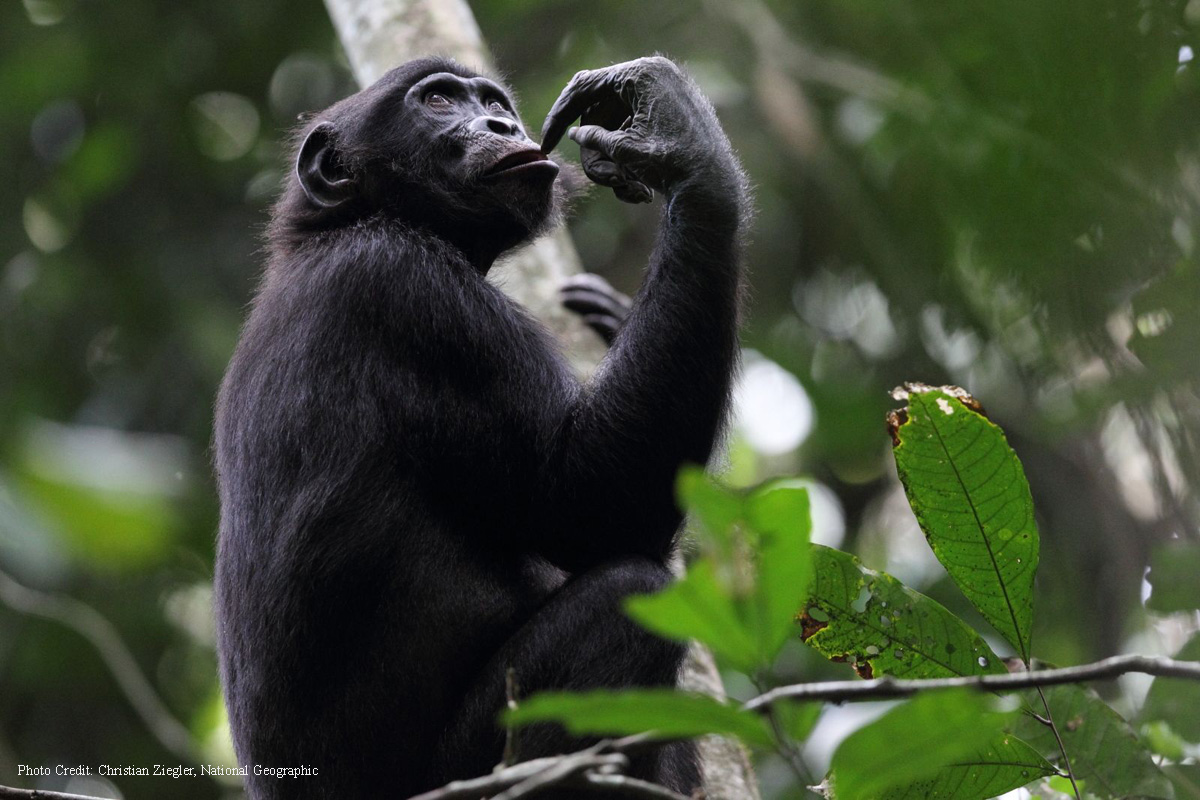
(528, 161)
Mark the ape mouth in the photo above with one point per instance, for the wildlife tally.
(522, 161)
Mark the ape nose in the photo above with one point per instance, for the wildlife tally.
(498, 125)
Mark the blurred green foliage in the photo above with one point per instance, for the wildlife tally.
(999, 196)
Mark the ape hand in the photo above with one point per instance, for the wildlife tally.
(645, 127)
(602, 307)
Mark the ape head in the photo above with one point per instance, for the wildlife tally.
(432, 144)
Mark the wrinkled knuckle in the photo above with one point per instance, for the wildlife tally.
(664, 66)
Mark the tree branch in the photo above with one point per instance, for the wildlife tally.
(889, 688)
(523, 780)
(594, 766)
(8, 793)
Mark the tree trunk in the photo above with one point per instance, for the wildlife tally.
(380, 34)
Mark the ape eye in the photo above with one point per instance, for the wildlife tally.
(496, 107)
(436, 100)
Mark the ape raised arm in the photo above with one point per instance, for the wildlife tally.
(660, 397)
(416, 492)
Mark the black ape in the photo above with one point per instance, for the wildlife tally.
(416, 492)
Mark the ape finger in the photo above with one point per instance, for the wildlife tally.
(584, 90)
(599, 168)
(632, 191)
(612, 144)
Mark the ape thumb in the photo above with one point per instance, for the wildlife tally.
(593, 136)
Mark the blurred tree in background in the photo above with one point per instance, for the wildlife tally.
(999, 195)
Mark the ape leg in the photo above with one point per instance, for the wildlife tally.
(580, 639)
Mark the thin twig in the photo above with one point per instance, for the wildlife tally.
(888, 688)
(568, 767)
(511, 745)
(498, 781)
(632, 787)
(604, 754)
(9, 793)
(88, 623)
(784, 744)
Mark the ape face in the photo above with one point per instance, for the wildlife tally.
(433, 145)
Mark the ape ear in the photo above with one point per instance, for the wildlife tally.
(322, 176)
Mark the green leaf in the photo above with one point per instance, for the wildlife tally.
(666, 712)
(1176, 701)
(881, 627)
(1104, 750)
(969, 493)
(1005, 764)
(1173, 571)
(697, 607)
(1186, 780)
(716, 508)
(779, 513)
(796, 719)
(914, 742)
(746, 612)
(1162, 740)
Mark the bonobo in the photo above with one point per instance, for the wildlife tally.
(417, 493)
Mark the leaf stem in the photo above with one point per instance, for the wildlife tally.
(1061, 747)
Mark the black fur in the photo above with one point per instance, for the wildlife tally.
(416, 492)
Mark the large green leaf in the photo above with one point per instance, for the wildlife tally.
(969, 493)
(716, 508)
(743, 605)
(1104, 750)
(698, 607)
(665, 712)
(915, 742)
(881, 627)
(1006, 763)
(779, 514)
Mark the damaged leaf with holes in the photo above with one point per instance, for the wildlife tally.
(881, 627)
(970, 496)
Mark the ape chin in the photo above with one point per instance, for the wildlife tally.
(417, 494)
